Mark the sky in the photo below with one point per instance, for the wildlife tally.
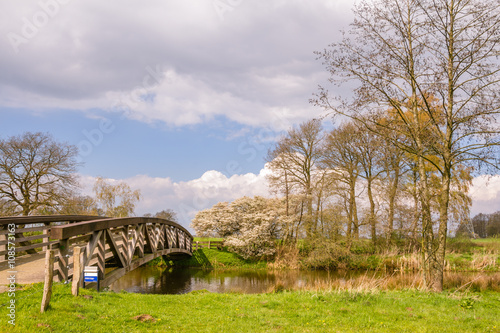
(179, 98)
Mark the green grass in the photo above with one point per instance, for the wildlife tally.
(395, 311)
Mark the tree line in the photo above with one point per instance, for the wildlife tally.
(424, 81)
(482, 225)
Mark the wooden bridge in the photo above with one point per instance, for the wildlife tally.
(115, 245)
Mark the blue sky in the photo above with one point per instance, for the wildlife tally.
(190, 93)
(130, 147)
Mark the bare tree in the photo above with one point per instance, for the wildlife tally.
(36, 171)
(295, 159)
(342, 157)
(167, 214)
(370, 152)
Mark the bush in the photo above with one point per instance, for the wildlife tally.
(461, 245)
(325, 254)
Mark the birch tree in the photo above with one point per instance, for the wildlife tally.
(115, 200)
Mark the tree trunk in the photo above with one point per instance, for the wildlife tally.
(372, 212)
(392, 198)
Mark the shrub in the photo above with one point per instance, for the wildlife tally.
(325, 254)
(461, 245)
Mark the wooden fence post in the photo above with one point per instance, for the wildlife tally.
(77, 271)
(49, 274)
(209, 244)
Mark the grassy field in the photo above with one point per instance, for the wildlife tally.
(395, 311)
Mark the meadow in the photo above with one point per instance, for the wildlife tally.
(277, 311)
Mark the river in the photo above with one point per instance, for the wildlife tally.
(155, 280)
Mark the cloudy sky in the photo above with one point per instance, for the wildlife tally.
(180, 98)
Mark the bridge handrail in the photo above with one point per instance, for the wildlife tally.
(75, 229)
(46, 219)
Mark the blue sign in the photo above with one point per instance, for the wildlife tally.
(90, 274)
(90, 278)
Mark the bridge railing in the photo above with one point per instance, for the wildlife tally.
(117, 245)
(31, 234)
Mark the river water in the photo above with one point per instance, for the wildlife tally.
(155, 280)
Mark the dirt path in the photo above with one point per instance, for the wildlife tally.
(29, 269)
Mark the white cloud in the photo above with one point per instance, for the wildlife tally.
(187, 198)
(254, 66)
(485, 193)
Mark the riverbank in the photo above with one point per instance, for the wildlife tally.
(463, 255)
(298, 311)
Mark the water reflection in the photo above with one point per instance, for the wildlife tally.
(154, 280)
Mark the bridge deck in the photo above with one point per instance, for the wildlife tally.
(29, 269)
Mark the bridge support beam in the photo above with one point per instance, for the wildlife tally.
(101, 255)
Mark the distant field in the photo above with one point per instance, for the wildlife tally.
(203, 239)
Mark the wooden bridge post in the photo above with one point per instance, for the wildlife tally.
(77, 271)
(49, 276)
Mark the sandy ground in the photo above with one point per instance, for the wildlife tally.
(28, 269)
